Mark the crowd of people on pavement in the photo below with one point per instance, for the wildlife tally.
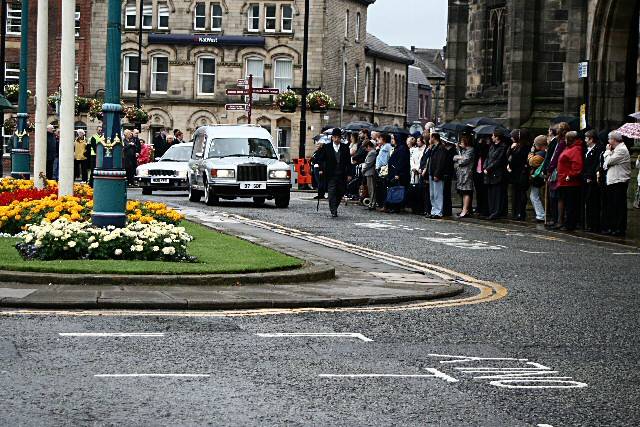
(135, 151)
(572, 179)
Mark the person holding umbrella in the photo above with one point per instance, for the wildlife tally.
(334, 168)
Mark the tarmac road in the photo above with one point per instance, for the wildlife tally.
(563, 344)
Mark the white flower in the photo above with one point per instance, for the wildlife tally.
(118, 252)
(28, 238)
(72, 244)
(91, 239)
(139, 248)
(57, 233)
(167, 240)
(168, 250)
(38, 243)
(94, 245)
(155, 249)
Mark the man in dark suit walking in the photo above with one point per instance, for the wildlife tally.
(334, 168)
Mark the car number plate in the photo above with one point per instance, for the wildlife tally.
(159, 180)
(253, 185)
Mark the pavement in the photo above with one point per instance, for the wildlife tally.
(546, 333)
(330, 278)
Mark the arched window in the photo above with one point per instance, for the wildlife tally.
(376, 87)
(367, 84)
(358, 27)
(356, 79)
(346, 24)
(497, 18)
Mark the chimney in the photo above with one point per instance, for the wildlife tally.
(413, 49)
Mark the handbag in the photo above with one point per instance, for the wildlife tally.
(363, 191)
(537, 178)
(384, 171)
(396, 195)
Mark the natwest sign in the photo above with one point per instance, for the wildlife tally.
(236, 107)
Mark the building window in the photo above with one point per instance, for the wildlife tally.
(497, 31)
(147, 14)
(206, 75)
(77, 21)
(6, 138)
(199, 18)
(283, 74)
(356, 79)
(216, 17)
(14, 18)
(270, 18)
(367, 78)
(76, 86)
(287, 19)
(11, 72)
(376, 87)
(346, 24)
(130, 71)
(254, 18)
(255, 67)
(163, 16)
(130, 15)
(159, 74)
(358, 27)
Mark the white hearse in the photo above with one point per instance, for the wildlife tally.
(237, 161)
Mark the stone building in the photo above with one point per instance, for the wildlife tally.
(517, 60)
(12, 55)
(193, 51)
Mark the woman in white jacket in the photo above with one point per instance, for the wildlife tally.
(417, 150)
(617, 164)
(636, 202)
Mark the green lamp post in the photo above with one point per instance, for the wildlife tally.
(109, 185)
(20, 157)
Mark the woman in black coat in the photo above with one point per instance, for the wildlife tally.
(480, 157)
(517, 166)
(495, 170)
(399, 168)
(130, 156)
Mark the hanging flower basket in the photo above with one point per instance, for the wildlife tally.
(12, 93)
(11, 125)
(287, 101)
(95, 109)
(320, 102)
(136, 115)
(82, 105)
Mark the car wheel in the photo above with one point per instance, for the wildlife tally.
(147, 191)
(259, 201)
(194, 195)
(209, 198)
(282, 200)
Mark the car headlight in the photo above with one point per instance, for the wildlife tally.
(182, 174)
(280, 174)
(142, 172)
(223, 173)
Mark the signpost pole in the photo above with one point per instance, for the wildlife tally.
(250, 105)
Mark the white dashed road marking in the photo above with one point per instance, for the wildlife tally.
(321, 334)
(111, 334)
(152, 375)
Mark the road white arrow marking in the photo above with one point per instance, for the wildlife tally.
(321, 334)
(111, 334)
(533, 252)
(434, 374)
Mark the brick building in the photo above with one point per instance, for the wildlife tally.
(194, 50)
(517, 60)
(12, 55)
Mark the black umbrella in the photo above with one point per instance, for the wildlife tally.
(393, 129)
(479, 121)
(454, 127)
(356, 126)
(574, 122)
(487, 130)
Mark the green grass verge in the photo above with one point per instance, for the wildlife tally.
(216, 253)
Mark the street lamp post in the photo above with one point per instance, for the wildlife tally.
(437, 121)
(305, 88)
(109, 186)
(20, 158)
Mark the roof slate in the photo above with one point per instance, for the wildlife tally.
(377, 47)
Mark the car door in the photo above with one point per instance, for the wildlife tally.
(195, 163)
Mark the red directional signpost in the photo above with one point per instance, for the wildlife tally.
(248, 90)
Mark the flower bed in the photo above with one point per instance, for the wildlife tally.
(63, 239)
(23, 189)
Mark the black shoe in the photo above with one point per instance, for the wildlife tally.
(435, 217)
(334, 215)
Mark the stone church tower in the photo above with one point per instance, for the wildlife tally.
(517, 60)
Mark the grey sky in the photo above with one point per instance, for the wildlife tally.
(420, 23)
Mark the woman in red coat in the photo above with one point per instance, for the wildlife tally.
(570, 165)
